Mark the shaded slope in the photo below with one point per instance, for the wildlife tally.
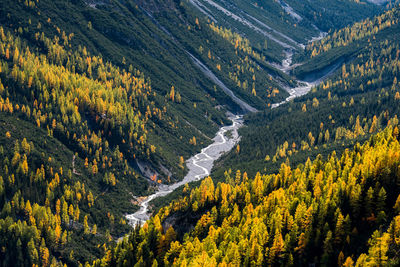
(320, 212)
(354, 102)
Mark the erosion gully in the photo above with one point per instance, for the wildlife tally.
(200, 165)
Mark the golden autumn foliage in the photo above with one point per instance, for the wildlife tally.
(65, 96)
(283, 218)
(350, 34)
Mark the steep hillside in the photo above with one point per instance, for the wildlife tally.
(354, 102)
(168, 43)
(47, 194)
(273, 25)
(69, 133)
(338, 211)
(81, 124)
(102, 101)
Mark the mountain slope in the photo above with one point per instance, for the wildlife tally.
(357, 100)
(101, 101)
(145, 36)
(108, 118)
(273, 25)
(322, 212)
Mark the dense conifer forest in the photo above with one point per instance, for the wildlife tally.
(102, 103)
(327, 211)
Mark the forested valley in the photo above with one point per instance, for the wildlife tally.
(102, 103)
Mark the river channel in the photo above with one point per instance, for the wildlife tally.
(199, 166)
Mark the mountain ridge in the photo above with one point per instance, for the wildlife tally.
(101, 101)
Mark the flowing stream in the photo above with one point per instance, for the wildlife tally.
(304, 86)
(199, 166)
